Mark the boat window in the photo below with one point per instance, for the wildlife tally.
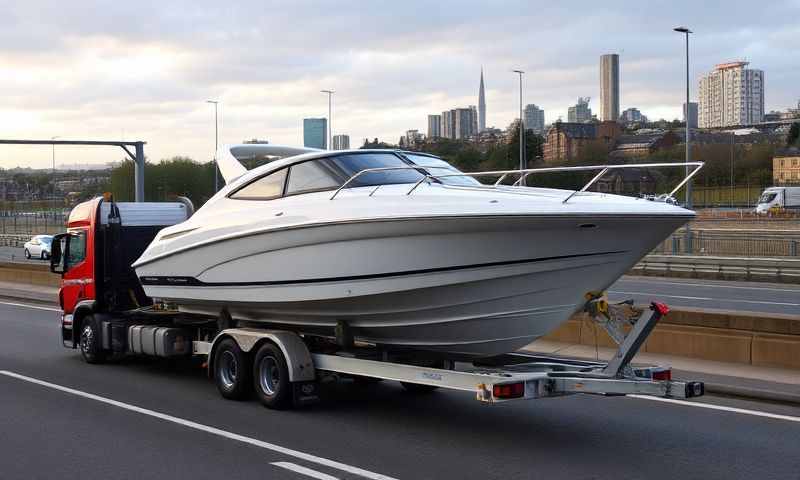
(265, 188)
(349, 165)
(437, 166)
(312, 176)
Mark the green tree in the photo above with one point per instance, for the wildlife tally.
(794, 135)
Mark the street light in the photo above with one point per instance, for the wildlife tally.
(330, 118)
(686, 32)
(216, 144)
(521, 125)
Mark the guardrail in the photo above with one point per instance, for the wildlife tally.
(761, 243)
(721, 268)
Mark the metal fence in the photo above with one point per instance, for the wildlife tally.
(33, 223)
(758, 244)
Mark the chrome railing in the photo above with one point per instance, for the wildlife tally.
(524, 174)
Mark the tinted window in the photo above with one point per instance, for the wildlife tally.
(312, 176)
(269, 186)
(77, 249)
(437, 166)
(349, 165)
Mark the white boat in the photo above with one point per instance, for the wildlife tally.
(405, 256)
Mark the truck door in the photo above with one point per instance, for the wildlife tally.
(77, 281)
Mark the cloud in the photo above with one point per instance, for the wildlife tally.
(102, 69)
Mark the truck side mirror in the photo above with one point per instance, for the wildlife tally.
(58, 254)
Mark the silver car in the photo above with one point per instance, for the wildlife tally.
(39, 247)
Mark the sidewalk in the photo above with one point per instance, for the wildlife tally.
(766, 383)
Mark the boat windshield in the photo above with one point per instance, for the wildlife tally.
(767, 197)
(437, 166)
(349, 165)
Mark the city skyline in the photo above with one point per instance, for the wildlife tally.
(84, 75)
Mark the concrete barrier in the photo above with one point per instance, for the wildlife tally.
(30, 274)
(718, 335)
(786, 270)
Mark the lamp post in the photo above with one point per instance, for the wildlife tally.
(733, 145)
(521, 125)
(330, 118)
(216, 144)
(686, 32)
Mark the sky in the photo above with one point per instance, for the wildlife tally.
(110, 70)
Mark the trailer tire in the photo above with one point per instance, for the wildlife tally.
(271, 378)
(418, 387)
(231, 370)
(89, 341)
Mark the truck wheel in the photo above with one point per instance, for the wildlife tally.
(271, 378)
(231, 370)
(418, 387)
(91, 348)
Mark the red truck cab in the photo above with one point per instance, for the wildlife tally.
(95, 254)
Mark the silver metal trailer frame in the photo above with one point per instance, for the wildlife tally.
(509, 377)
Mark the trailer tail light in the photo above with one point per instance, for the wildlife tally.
(662, 374)
(661, 308)
(508, 390)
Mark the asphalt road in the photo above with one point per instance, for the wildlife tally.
(17, 254)
(133, 419)
(755, 297)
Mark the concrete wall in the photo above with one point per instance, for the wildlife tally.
(30, 274)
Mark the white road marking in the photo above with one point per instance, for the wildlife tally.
(684, 297)
(304, 471)
(26, 305)
(205, 428)
(743, 411)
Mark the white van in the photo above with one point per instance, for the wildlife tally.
(779, 198)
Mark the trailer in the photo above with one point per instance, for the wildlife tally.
(105, 314)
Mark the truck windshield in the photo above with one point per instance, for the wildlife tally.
(767, 197)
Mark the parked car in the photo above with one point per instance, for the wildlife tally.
(39, 247)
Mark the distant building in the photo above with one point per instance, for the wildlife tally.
(632, 182)
(632, 115)
(534, 118)
(434, 126)
(565, 140)
(609, 88)
(691, 118)
(315, 133)
(341, 142)
(460, 123)
(481, 107)
(633, 146)
(786, 167)
(731, 95)
(580, 113)
(413, 137)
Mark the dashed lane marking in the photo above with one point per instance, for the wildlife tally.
(27, 305)
(304, 471)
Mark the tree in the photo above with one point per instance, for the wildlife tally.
(794, 135)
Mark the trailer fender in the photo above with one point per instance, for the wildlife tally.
(298, 358)
(81, 310)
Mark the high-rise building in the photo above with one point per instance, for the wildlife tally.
(315, 132)
(481, 106)
(691, 118)
(609, 87)
(341, 142)
(459, 123)
(632, 115)
(434, 126)
(448, 124)
(534, 119)
(580, 113)
(474, 127)
(731, 95)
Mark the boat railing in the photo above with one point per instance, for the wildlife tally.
(525, 173)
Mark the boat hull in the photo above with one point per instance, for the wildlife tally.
(471, 285)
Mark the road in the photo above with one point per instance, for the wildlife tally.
(153, 419)
(754, 297)
(17, 254)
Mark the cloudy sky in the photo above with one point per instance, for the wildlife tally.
(143, 70)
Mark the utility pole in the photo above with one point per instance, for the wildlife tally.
(54, 176)
(216, 145)
(522, 162)
(330, 117)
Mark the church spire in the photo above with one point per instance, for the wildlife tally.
(481, 106)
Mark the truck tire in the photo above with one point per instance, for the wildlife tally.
(271, 378)
(231, 370)
(89, 341)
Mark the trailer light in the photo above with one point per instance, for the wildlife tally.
(661, 308)
(662, 374)
(509, 390)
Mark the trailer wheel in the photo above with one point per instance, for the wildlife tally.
(89, 342)
(231, 370)
(271, 378)
(418, 387)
